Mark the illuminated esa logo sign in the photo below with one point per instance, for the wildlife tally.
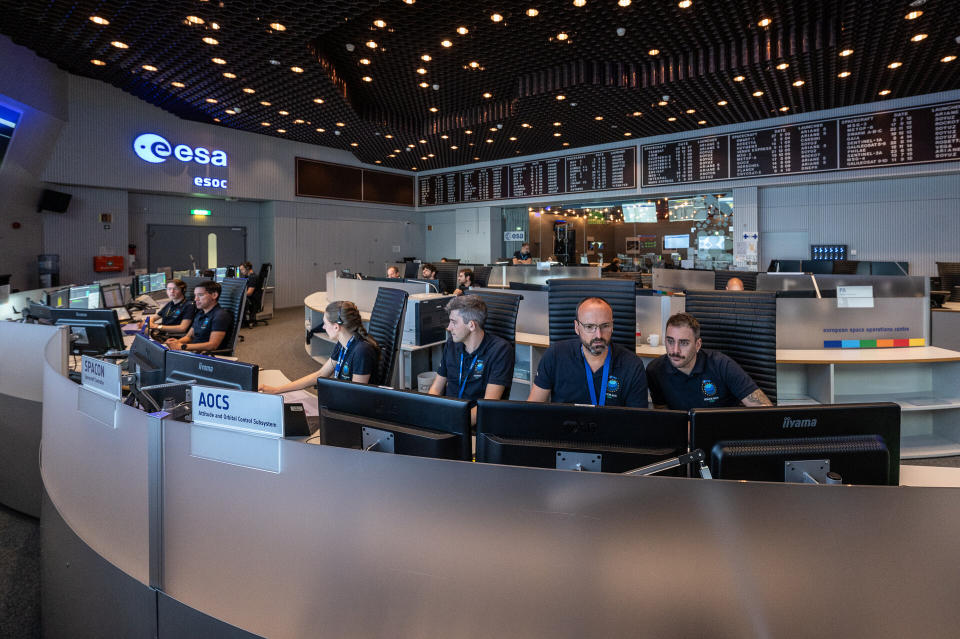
(153, 148)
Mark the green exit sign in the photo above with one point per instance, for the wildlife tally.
(200, 212)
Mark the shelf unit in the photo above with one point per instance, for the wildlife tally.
(924, 381)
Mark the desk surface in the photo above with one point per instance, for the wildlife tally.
(318, 302)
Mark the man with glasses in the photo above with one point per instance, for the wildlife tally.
(688, 377)
(589, 369)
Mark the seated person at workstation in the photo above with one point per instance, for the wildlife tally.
(464, 281)
(208, 272)
(688, 377)
(210, 324)
(176, 316)
(355, 354)
(589, 369)
(246, 270)
(393, 273)
(429, 272)
(523, 256)
(613, 266)
(734, 284)
(475, 364)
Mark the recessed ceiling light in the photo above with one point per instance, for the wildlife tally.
(533, 13)
(364, 61)
(474, 64)
(628, 134)
(843, 74)
(283, 112)
(98, 63)
(444, 137)
(318, 100)
(298, 121)
(798, 83)
(488, 95)
(274, 62)
(757, 94)
(722, 103)
(354, 144)
(496, 17)
(388, 136)
(782, 66)
(598, 117)
(784, 108)
(739, 78)
(281, 130)
(557, 134)
(430, 155)
(561, 97)
(379, 23)
(321, 130)
(446, 43)
(230, 112)
(424, 85)
(426, 57)
(662, 103)
(276, 26)
(229, 75)
(468, 131)
(99, 20)
(296, 69)
(653, 52)
(463, 30)
(919, 37)
(264, 124)
(579, 3)
(562, 36)
(265, 103)
(494, 129)
(214, 26)
(212, 100)
(218, 60)
(454, 147)
(489, 140)
(513, 138)
(434, 109)
(421, 71)
(120, 45)
(179, 85)
(913, 15)
(624, 3)
(409, 1)
(210, 40)
(367, 78)
(895, 65)
(249, 90)
(378, 161)
(885, 92)
(148, 67)
(526, 126)
(194, 20)
(846, 52)
(684, 4)
(691, 110)
(341, 124)
(671, 119)
(764, 22)
(948, 58)
(702, 122)
(371, 44)
(637, 114)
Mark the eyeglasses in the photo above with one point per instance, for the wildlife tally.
(606, 326)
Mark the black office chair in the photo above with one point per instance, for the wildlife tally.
(742, 325)
(233, 297)
(955, 294)
(845, 267)
(481, 275)
(386, 327)
(502, 311)
(563, 296)
(255, 301)
(526, 286)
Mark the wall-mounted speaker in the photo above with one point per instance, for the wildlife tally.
(54, 201)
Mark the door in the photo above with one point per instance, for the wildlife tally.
(180, 247)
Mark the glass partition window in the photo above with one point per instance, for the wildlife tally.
(692, 231)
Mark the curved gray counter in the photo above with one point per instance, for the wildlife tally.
(345, 543)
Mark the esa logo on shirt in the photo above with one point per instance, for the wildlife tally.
(709, 390)
(613, 387)
(478, 369)
(345, 371)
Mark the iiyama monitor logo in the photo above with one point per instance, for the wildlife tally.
(155, 149)
(799, 423)
(209, 369)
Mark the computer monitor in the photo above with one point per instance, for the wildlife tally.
(860, 442)
(397, 421)
(158, 282)
(575, 437)
(94, 331)
(86, 296)
(220, 273)
(182, 366)
(59, 299)
(112, 296)
(435, 284)
(676, 241)
(147, 358)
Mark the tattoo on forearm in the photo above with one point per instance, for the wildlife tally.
(757, 398)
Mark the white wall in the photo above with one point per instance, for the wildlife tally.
(911, 219)
(471, 234)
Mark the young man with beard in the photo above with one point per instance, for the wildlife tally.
(687, 377)
(589, 369)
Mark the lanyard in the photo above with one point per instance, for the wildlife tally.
(603, 383)
(460, 378)
(343, 356)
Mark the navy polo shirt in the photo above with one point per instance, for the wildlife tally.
(252, 280)
(217, 319)
(562, 372)
(360, 359)
(494, 365)
(715, 381)
(172, 314)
